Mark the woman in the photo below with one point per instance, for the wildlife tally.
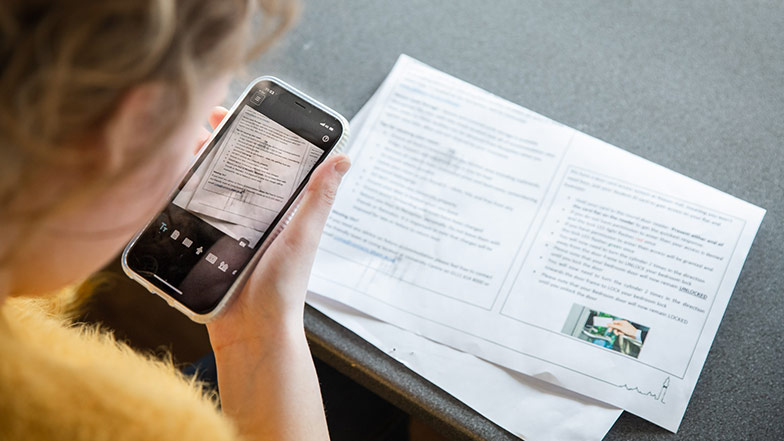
(101, 109)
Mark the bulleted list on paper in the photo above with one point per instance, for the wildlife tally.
(433, 185)
(524, 406)
(491, 229)
(245, 182)
(655, 258)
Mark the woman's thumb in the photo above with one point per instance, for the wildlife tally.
(303, 233)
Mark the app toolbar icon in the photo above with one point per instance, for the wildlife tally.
(187, 242)
(211, 258)
(199, 250)
(223, 266)
(175, 234)
(258, 97)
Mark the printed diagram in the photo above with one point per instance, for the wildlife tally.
(605, 330)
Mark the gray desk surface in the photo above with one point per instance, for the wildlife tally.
(696, 86)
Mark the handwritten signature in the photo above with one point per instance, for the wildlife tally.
(658, 396)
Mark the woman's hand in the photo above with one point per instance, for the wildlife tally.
(274, 296)
(275, 293)
(266, 378)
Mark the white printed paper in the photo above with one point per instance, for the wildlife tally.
(524, 406)
(483, 226)
(529, 408)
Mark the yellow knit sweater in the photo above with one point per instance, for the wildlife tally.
(66, 382)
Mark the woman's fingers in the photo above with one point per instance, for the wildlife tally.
(283, 272)
(204, 135)
(216, 116)
(301, 237)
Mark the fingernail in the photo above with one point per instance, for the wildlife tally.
(342, 166)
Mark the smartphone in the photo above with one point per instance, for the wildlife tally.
(236, 197)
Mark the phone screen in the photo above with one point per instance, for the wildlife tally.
(234, 196)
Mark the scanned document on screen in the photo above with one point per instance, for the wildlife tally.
(487, 227)
(247, 179)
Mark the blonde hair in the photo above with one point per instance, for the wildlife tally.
(66, 66)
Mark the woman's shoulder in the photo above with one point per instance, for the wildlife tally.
(64, 381)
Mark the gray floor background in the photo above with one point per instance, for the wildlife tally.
(696, 86)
